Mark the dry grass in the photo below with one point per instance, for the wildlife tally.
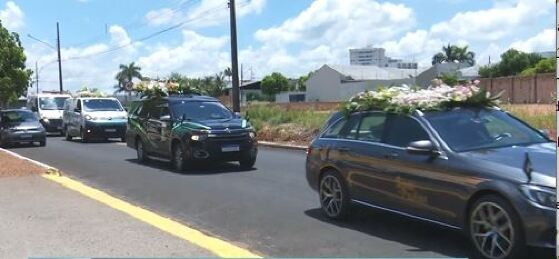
(540, 116)
(13, 166)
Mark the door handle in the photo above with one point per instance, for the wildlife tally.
(391, 156)
(344, 149)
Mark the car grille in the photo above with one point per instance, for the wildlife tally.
(55, 122)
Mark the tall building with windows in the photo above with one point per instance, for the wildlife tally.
(377, 57)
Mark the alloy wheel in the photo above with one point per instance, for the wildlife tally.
(491, 230)
(140, 151)
(331, 195)
(178, 158)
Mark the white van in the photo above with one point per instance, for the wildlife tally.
(48, 107)
(90, 117)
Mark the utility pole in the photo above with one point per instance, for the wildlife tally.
(242, 70)
(37, 77)
(234, 61)
(59, 60)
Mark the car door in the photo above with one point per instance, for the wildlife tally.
(163, 126)
(424, 185)
(154, 128)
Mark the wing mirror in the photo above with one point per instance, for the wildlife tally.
(422, 147)
(237, 114)
(78, 110)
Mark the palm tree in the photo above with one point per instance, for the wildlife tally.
(228, 73)
(453, 53)
(125, 76)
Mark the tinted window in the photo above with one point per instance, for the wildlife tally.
(17, 116)
(372, 127)
(344, 128)
(159, 111)
(52, 103)
(401, 130)
(468, 129)
(101, 105)
(201, 110)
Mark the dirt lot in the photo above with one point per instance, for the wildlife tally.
(13, 166)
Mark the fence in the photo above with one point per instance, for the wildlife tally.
(539, 88)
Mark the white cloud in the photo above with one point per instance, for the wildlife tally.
(206, 13)
(543, 41)
(12, 16)
(197, 55)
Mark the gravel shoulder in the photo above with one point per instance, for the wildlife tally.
(42, 218)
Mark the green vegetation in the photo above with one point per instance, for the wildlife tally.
(14, 77)
(208, 85)
(277, 123)
(453, 53)
(514, 62)
(274, 83)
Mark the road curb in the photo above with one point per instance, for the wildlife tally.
(281, 145)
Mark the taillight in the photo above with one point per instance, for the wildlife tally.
(309, 151)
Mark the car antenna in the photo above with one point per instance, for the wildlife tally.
(527, 167)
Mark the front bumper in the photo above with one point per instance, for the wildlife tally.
(539, 224)
(223, 149)
(52, 125)
(105, 129)
(23, 136)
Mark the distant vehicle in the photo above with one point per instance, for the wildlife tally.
(190, 129)
(479, 170)
(91, 117)
(48, 107)
(20, 126)
(21, 103)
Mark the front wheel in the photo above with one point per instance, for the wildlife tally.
(247, 162)
(141, 152)
(43, 143)
(334, 196)
(178, 160)
(495, 229)
(68, 136)
(83, 135)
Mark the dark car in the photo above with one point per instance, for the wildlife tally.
(190, 129)
(480, 170)
(20, 126)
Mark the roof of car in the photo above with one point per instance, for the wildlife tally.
(14, 110)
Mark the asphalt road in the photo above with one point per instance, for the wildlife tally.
(270, 209)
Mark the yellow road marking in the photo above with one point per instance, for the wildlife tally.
(214, 245)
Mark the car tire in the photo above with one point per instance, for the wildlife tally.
(83, 136)
(141, 151)
(247, 162)
(334, 195)
(495, 229)
(43, 143)
(178, 158)
(68, 136)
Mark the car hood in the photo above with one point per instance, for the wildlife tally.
(231, 124)
(542, 159)
(106, 114)
(51, 114)
(26, 125)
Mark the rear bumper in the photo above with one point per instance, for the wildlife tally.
(104, 129)
(21, 136)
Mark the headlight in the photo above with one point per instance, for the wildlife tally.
(197, 137)
(540, 195)
(252, 134)
(45, 119)
(89, 118)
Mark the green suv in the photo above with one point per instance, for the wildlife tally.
(189, 129)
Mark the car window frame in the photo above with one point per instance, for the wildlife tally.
(362, 116)
(339, 120)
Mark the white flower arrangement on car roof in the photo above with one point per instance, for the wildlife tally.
(156, 88)
(438, 96)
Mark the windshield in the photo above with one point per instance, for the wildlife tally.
(101, 105)
(17, 116)
(201, 111)
(469, 129)
(52, 103)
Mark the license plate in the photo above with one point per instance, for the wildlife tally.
(110, 130)
(25, 136)
(230, 148)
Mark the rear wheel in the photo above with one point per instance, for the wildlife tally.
(140, 151)
(43, 143)
(334, 196)
(495, 229)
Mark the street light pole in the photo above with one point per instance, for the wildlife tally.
(59, 60)
(234, 60)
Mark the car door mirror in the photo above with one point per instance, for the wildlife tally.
(34, 109)
(237, 114)
(422, 147)
(78, 110)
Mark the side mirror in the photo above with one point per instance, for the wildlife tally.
(237, 114)
(34, 109)
(78, 110)
(422, 147)
(126, 109)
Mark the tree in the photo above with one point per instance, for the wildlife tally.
(125, 75)
(14, 77)
(543, 66)
(449, 79)
(453, 53)
(274, 83)
(513, 62)
(302, 82)
(228, 73)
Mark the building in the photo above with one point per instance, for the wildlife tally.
(377, 57)
(333, 83)
(463, 71)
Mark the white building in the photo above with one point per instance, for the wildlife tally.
(377, 57)
(332, 83)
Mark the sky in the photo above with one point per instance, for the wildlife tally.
(292, 37)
